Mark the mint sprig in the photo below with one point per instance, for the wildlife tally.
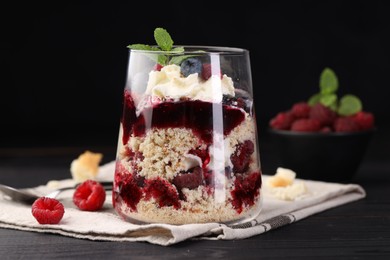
(329, 84)
(165, 44)
(349, 105)
(163, 39)
(142, 47)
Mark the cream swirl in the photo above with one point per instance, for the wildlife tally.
(169, 83)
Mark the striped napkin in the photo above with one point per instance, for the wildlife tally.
(106, 225)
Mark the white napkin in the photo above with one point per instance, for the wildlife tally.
(108, 226)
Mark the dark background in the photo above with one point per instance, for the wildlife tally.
(63, 66)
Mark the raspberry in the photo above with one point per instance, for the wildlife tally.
(326, 129)
(207, 72)
(130, 191)
(191, 179)
(345, 124)
(365, 120)
(246, 190)
(282, 121)
(306, 125)
(241, 157)
(158, 67)
(301, 110)
(162, 191)
(127, 187)
(202, 154)
(89, 196)
(323, 114)
(47, 210)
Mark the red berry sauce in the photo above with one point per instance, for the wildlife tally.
(200, 117)
(193, 114)
(246, 190)
(127, 188)
(162, 191)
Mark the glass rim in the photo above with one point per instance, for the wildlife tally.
(197, 49)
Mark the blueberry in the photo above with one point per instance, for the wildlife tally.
(190, 66)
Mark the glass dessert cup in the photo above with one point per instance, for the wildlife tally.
(187, 147)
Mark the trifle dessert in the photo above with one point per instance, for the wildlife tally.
(187, 148)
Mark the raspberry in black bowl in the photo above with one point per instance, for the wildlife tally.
(324, 138)
(333, 157)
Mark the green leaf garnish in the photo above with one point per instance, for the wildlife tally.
(314, 99)
(163, 39)
(328, 81)
(328, 99)
(178, 59)
(334, 107)
(143, 47)
(162, 59)
(165, 45)
(349, 105)
(177, 49)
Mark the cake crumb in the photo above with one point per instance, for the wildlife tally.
(86, 166)
(53, 184)
(283, 177)
(283, 185)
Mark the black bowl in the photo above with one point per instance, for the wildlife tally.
(333, 157)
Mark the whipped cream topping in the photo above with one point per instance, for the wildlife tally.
(169, 83)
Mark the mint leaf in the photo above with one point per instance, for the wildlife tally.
(334, 107)
(328, 81)
(179, 59)
(162, 59)
(328, 100)
(163, 39)
(165, 48)
(177, 49)
(349, 105)
(314, 99)
(143, 47)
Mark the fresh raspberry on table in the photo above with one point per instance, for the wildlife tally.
(306, 125)
(365, 120)
(301, 110)
(47, 210)
(345, 124)
(282, 121)
(89, 196)
(323, 114)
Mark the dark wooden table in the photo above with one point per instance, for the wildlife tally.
(358, 230)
